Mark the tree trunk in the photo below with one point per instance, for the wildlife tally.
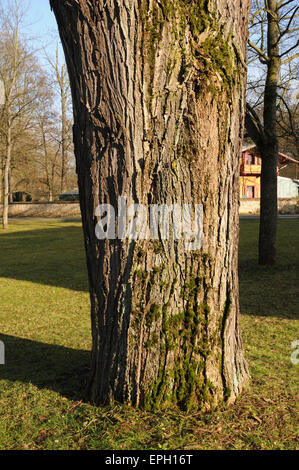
(63, 142)
(50, 195)
(10, 190)
(6, 179)
(268, 210)
(158, 99)
(269, 148)
(61, 76)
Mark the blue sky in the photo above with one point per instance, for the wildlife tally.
(41, 24)
(39, 10)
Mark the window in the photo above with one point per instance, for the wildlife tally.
(250, 159)
(250, 192)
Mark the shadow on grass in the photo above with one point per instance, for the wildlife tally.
(46, 366)
(53, 256)
(270, 291)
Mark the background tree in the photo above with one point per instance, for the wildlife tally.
(36, 151)
(21, 79)
(24, 171)
(158, 97)
(274, 27)
(61, 83)
(49, 136)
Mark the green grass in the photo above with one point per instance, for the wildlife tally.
(44, 323)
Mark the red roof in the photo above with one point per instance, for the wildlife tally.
(285, 159)
(281, 157)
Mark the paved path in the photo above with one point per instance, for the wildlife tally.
(78, 219)
(62, 219)
(280, 216)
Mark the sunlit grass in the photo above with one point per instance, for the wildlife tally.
(45, 325)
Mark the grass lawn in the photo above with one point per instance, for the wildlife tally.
(44, 323)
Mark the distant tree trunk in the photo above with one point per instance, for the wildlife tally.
(63, 143)
(6, 179)
(158, 98)
(62, 80)
(269, 149)
(268, 209)
(50, 183)
(263, 132)
(10, 191)
(50, 195)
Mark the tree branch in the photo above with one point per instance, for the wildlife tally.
(254, 126)
(262, 56)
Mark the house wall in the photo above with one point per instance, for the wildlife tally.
(246, 181)
(250, 171)
(286, 187)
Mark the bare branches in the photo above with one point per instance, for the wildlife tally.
(283, 3)
(276, 22)
(261, 55)
(30, 126)
(294, 46)
(254, 126)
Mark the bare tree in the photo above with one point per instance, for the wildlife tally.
(20, 76)
(24, 170)
(274, 44)
(61, 79)
(48, 134)
(158, 96)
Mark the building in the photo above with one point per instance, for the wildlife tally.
(250, 175)
(287, 187)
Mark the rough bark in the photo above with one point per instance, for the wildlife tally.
(158, 99)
